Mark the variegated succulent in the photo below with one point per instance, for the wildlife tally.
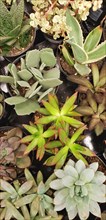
(29, 200)
(12, 151)
(79, 189)
(79, 53)
(32, 80)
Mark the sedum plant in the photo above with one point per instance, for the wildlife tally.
(15, 30)
(79, 189)
(28, 200)
(50, 15)
(37, 139)
(57, 115)
(78, 52)
(36, 76)
(12, 151)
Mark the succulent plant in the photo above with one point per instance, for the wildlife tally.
(79, 189)
(8, 172)
(36, 76)
(14, 27)
(28, 200)
(93, 113)
(1, 104)
(79, 53)
(11, 150)
(53, 113)
(98, 84)
(37, 139)
(50, 15)
(69, 144)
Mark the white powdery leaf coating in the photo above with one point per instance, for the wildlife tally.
(80, 166)
(94, 208)
(94, 166)
(59, 173)
(61, 196)
(87, 175)
(99, 178)
(70, 170)
(56, 184)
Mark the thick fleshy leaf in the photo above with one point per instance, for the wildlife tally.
(68, 181)
(63, 136)
(8, 187)
(72, 213)
(68, 104)
(23, 84)
(99, 178)
(77, 133)
(97, 192)
(82, 69)
(31, 146)
(24, 200)
(24, 75)
(59, 207)
(94, 208)
(31, 129)
(44, 95)
(15, 100)
(95, 73)
(83, 58)
(61, 196)
(59, 173)
(33, 58)
(80, 166)
(83, 208)
(23, 162)
(25, 212)
(15, 213)
(27, 107)
(87, 175)
(93, 39)
(75, 29)
(57, 184)
(50, 108)
(49, 133)
(53, 101)
(71, 171)
(46, 119)
(34, 206)
(74, 122)
(41, 188)
(25, 187)
(29, 176)
(94, 166)
(70, 204)
(53, 144)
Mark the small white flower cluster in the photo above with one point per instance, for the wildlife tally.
(50, 16)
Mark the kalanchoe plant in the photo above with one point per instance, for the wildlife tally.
(15, 30)
(79, 189)
(37, 139)
(29, 200)
(80, 53)
(98, 84)
(36, 76)
(57, 115)
(12, 151)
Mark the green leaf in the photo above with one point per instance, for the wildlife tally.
(83, 57)
(34, 206)
(52, 73)
(48, 58)
(97, 54)
(44, 94)
(31, 146)
(50, 108)
(59, 155)
(6, 79)
(82, 69)
(25, 187)
(33, 58)
(46, 120)
(53, 144)
(68, 104)
(15, 100)
(23, 162)
(29, 176)
(93, 39)
(53, 101)
(48, 83)
(48, 133)
(95, 73)
(75, 33)
(63, 136)
(25, 212)
(7, 187)
(74, 122)
(31, 129)
(80, 80)
(35, 92)
(31, 90)
(23, 84)
(77, 133)
(17, 17)
(15, 213)
(39, 177)
(24, 74)
(40, 151)
(79, 156)
(24, 200)
(36, 73)
(27, 107)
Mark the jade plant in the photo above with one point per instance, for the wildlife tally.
(50, 15)
(79, 189)
(28, 200)
(31, 80)
(12, 151)
(78, 52)
(15, 30)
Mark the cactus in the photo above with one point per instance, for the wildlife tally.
(83, 52)
(13, 27)
(37, 76)
(28, 200)
(79, 189)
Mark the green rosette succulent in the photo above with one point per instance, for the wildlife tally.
(79, 189)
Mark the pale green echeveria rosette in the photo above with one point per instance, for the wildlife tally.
(79, 188)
